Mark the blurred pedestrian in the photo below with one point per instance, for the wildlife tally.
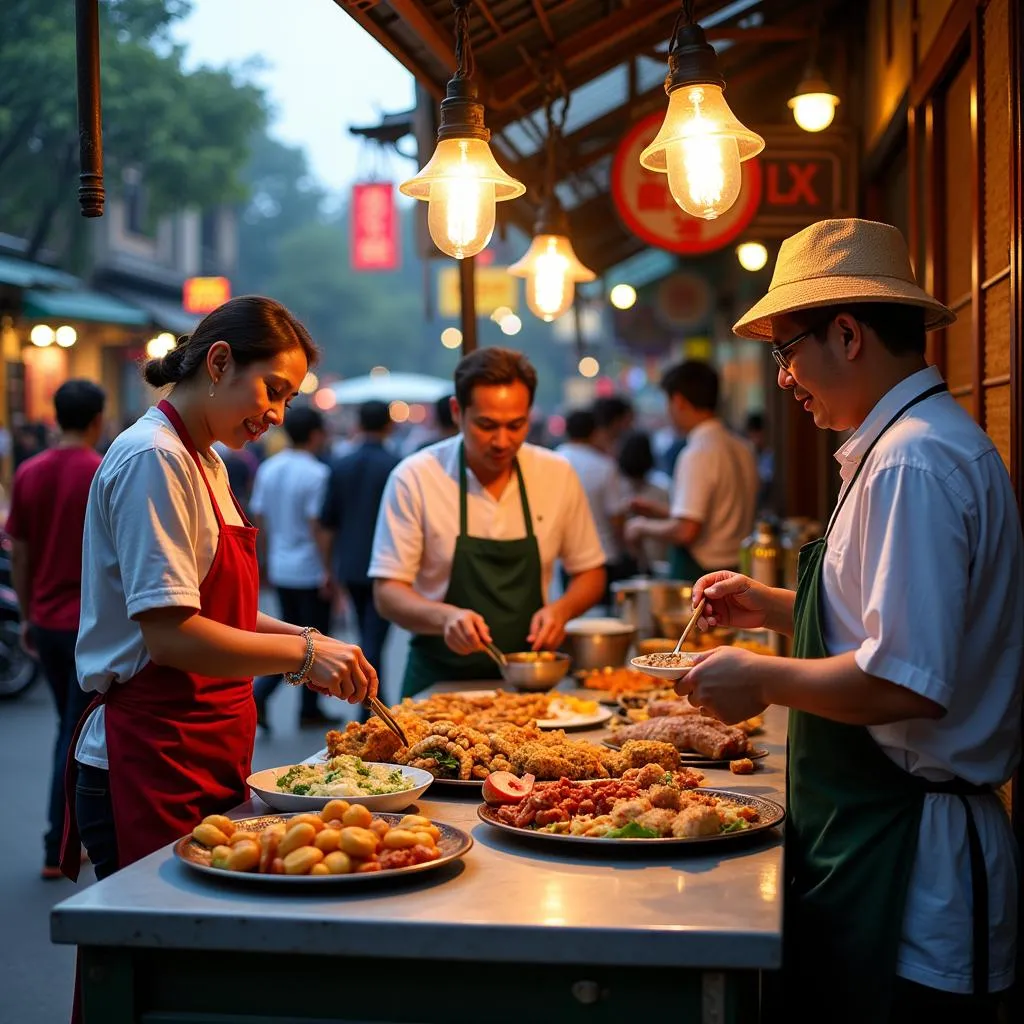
(614, 419)
(286, 501)
(46, 524)
(755, 433)
(603, 486)
(714, 487)
(349, 517)
(646, 492)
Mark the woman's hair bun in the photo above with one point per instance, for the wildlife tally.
(167, 369)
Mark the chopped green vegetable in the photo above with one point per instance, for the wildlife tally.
(631, 830)
(447, 763)
(736, 826)
(301, 789)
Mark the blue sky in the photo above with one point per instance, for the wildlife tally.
(322, 73)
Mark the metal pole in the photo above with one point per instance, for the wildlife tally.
(90, 120)
(467, 298)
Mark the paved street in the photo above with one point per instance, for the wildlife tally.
(35, 975)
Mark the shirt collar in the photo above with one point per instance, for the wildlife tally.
(703, 427)
(852, 451)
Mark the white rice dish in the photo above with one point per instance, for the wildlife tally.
(345, 775)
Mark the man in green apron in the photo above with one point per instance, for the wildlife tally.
(908, 645)
(714, 482)
(470, 528)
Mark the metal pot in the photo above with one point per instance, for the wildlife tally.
(639, 599)
(598, 643)
(535, 670)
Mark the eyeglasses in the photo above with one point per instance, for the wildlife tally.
(779, 351)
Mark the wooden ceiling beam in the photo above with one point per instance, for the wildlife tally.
(432, 35)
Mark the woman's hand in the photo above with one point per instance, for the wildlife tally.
(726, 682)
(732, 600)
(341, 670)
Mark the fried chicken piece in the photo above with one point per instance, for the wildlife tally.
(706, 736)
(660, 819)
(743, 766)
(372, 741)
(626, 811)
(696, 820)
(643, 752)
(666, 797)
(650, 775)
(613, 762)
(558, 760)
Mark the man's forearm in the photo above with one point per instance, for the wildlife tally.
(583, 592)
(672, 531)
(325, 544)
(399, 603)
(780, 611)
(268, 624)
(838, 689)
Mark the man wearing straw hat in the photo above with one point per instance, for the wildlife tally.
(904, 685)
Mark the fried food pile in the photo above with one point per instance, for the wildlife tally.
(706, 736)
(647, 803)
(618, 680)
(451, 750)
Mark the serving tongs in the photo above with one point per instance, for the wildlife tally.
(494, 653)
(387, 718)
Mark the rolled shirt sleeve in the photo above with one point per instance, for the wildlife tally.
(914, 579)
(398, 537)
(581, 547)
(154, 524)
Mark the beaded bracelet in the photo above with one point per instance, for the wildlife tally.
(298, 678)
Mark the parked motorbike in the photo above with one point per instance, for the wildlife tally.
(18, 671)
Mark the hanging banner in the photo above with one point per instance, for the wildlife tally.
(201, 295)
(375, 242)
(647, 208)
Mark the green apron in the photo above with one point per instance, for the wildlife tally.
(499, 579)
(682, 565)
(851, 840)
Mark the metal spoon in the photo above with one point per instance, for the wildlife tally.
(686, 632)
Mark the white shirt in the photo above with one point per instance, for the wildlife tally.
(715, 483)
(288, 495)
(924, 579)
(150, 537)
(603, 486)
(418, 521)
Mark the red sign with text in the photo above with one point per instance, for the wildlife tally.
(647, 208)
(374, 220)
(204, 294)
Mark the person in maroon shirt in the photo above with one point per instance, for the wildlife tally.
(46, 522)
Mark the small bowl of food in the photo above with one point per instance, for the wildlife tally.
(535, 670)
(666, 665)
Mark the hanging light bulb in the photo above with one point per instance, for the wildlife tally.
(701, 143)
(550, 265)
(814, 105)
(462, 181)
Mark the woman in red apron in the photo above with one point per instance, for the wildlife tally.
(179, 732)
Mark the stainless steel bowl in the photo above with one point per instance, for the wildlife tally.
(535, 670)
(639, 599)
(598, 643)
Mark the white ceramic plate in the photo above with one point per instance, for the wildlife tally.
(264, 785)
(659, 673)
(564, 718)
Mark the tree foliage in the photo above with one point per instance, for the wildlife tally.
(187, 132)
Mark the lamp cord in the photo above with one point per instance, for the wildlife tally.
(684, 17)
(465, 65)
(555, 129)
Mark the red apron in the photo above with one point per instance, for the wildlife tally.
(179, 744)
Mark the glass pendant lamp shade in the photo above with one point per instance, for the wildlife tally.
(461, 183)
(701, 146)
(814, 105)
(552, 269)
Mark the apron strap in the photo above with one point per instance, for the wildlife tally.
(936, 389)
(186, 439)
(979, 897)
(463, 497)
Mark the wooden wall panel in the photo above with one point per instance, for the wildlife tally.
(997, 419)
(959, 363)
(958, 158)
(997, 329)
(995, 114)
(930, 16)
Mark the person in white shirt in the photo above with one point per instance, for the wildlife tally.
(908, 643)
(714, 486)
(469, 530)
(287, 496)
(602, 484)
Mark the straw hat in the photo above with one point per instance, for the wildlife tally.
(838, 261)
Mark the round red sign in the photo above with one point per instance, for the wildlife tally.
(647, 208)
